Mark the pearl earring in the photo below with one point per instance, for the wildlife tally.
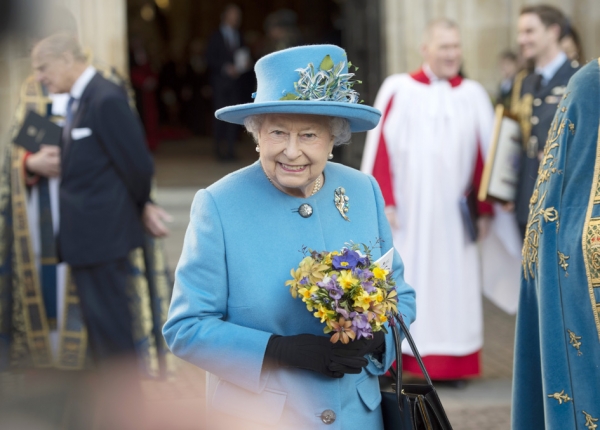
(330, 156)
(257, 148)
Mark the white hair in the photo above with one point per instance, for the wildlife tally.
(444, 23)
(338, 127)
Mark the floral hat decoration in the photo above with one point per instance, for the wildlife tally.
(312, 79)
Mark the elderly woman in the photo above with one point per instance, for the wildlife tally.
(269, 364)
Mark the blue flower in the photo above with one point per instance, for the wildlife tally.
(347, 261)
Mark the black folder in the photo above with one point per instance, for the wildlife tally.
(37, 130)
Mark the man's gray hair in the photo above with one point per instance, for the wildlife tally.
(445, 23)
(61, 43)
(338, 127)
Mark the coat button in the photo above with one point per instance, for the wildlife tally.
(535, 120)
(537, 102)
(533, 140)
(328, 416)
(305, 210)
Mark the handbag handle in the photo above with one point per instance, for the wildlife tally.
(415, 351)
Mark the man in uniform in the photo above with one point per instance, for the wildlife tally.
(537, 92)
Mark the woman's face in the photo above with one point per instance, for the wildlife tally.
(294, 150)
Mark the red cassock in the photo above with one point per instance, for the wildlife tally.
(426, 155)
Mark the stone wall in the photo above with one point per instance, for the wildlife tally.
(488, 28)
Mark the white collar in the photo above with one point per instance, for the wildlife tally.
(550, 69)
(82, 82)
(429, 73)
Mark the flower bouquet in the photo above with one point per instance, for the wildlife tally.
(347, 291)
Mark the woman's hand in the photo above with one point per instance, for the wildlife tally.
(316, 353)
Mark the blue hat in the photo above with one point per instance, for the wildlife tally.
(310, 79)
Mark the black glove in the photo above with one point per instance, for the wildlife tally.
(363, 346)
(315, 353)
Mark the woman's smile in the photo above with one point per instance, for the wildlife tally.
(291, 168)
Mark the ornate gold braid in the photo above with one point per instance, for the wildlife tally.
(590, 239)
(522, 106)
(538, 213)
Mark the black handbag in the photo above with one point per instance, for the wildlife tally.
(411, 406)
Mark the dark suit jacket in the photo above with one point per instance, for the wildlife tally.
(106, 179)
(218, 53)
(545, 101)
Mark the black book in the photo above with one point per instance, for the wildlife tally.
(37, 130)
(468, 211)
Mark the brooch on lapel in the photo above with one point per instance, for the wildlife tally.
(341, 202)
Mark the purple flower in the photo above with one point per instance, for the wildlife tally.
(304, 281)
(361, 326)
(347, 261)
(368, 287)
(343, 312)
(330, 284)
(336, 293)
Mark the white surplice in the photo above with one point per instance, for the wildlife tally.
(433, 131)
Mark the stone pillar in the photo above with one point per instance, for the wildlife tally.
(103, 29)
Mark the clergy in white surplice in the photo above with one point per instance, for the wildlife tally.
(427, 155)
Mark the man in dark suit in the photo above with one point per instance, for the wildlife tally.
(537, 92)
(223, 47)
(106, 173)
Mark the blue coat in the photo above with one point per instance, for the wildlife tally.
(243, 239)
(557, 351)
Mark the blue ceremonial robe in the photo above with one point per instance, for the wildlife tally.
(557, 356)
(243, 239)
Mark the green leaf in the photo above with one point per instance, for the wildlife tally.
(355, 68)
(326, 64)
(289, 96)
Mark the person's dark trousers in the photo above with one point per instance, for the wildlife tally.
(105, 308)
(523, 229)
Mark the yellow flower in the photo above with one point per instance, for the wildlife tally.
(391, 302)
(306, 293)
(346, 280)
(312, 270)
(380, 273)
(294, 283)
(378, 296)
(324, 314)
(362, 301)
